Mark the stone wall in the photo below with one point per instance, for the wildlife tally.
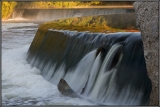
(147, 22)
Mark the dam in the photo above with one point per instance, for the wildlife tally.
(108, 69)
(55, 14)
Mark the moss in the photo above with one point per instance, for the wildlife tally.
(100, 23)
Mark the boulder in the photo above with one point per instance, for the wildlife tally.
(65, 89)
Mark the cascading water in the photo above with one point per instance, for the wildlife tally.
(108, 69)
(55, 14)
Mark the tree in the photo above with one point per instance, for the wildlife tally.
(8, 8)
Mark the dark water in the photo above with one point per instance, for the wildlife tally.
(108, 69)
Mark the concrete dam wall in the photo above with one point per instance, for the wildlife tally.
(147, 14)
(55, 14)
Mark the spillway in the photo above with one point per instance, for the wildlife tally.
(108, 69)
(55, 14)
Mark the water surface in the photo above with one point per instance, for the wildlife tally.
(21, 83)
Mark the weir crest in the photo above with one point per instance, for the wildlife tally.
(108, 69)
(55, 14)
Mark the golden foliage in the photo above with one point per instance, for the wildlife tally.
(7, 8)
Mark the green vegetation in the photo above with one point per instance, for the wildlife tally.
(8, 7)
(88, 23)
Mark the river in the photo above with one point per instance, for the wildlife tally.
(22, 84)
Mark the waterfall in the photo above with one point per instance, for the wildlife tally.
(108, 69)
(55, 14)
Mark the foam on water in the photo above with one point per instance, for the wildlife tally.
(22, 84)
(18, 18)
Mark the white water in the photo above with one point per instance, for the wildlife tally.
(55, 14)
(21, 83)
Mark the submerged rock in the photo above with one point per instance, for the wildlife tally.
(65, 89)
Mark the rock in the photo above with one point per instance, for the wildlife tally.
(100, 50)
(147, 22)
(65, 89)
